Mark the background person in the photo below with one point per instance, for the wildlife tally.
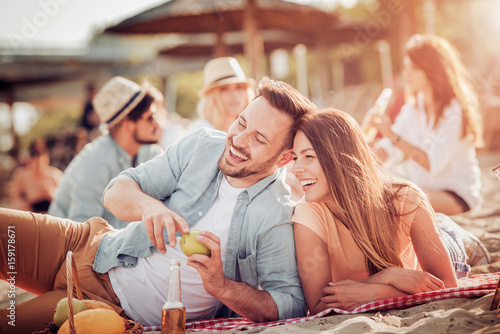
(439, 128)
(361, 236)
(128, 112)
(33, 186)
(172, 130)
(226, 93)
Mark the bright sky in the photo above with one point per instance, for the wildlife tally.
(61, 23)
(70, 23)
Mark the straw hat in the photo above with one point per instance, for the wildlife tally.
(116, 99)
(223, 71)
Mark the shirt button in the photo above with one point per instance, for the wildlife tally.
(200, 213)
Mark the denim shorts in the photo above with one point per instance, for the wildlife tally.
(453, 236)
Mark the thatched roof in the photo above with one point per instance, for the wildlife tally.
(197, 16)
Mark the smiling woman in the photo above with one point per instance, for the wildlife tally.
(361, 236)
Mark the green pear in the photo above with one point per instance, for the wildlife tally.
(189, 244)
(61, 313)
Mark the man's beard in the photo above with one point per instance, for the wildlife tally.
(245, 171)
(144, 141)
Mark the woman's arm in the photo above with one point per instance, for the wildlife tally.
(438, 272)
(409, 151)
(313, 264)
(429, 246)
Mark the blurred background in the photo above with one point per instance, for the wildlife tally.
(55, 54)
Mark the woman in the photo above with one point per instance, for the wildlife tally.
(439, 127)
(361, 236)
(226, 93)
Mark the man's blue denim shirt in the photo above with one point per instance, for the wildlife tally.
(260, 250)
(78, 195)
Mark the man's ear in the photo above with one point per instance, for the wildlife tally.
(286, 157)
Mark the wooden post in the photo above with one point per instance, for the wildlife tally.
(254, 43)
(384, 50)
(300, 52)
(323, 69)
(220, 46)
(10, 99)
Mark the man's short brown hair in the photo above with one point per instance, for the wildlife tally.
(287, 99)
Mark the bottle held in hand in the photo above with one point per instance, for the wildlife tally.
(378, 110)
(173, 313)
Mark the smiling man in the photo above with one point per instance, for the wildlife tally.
(231, 187)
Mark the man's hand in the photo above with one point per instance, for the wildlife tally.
(210, 267)
(156, 217)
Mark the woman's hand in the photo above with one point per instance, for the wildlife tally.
(383, 125)
(406, 280)
(347, 295)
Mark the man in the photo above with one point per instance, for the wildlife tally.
(231, 188)
(128, 112)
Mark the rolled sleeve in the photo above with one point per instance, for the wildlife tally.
(171, 163)
(277, 271)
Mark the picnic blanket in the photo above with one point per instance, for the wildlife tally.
(473, 286)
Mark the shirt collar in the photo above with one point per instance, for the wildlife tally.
(258, 187)
(123, 156)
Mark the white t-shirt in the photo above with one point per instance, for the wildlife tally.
(143, 289)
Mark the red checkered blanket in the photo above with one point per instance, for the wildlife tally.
(473, 286)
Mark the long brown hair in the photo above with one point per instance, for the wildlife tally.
(362, 195)
(448, 78)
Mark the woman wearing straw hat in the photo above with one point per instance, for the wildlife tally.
(226, 93)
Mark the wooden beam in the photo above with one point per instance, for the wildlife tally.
(254, 43)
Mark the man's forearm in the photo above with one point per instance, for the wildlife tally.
(253, 304)
(126, 200)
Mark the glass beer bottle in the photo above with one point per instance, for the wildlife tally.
(173, 313)
(378, 110)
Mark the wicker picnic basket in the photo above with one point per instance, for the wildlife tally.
(72, 280)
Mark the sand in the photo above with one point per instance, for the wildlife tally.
(457, 315)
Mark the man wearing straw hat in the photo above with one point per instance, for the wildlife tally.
(231, 186)
(127, 111)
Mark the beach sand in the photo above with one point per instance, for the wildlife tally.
(456, 315)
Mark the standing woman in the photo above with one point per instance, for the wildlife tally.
(439, 128)
(361, 236)
(226, 93)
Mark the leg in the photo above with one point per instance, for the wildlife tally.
(443, 202)
(33, 247)
(465, 248)
(35, 262)
(31, 316)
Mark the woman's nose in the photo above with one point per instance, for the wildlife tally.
(296, 168)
